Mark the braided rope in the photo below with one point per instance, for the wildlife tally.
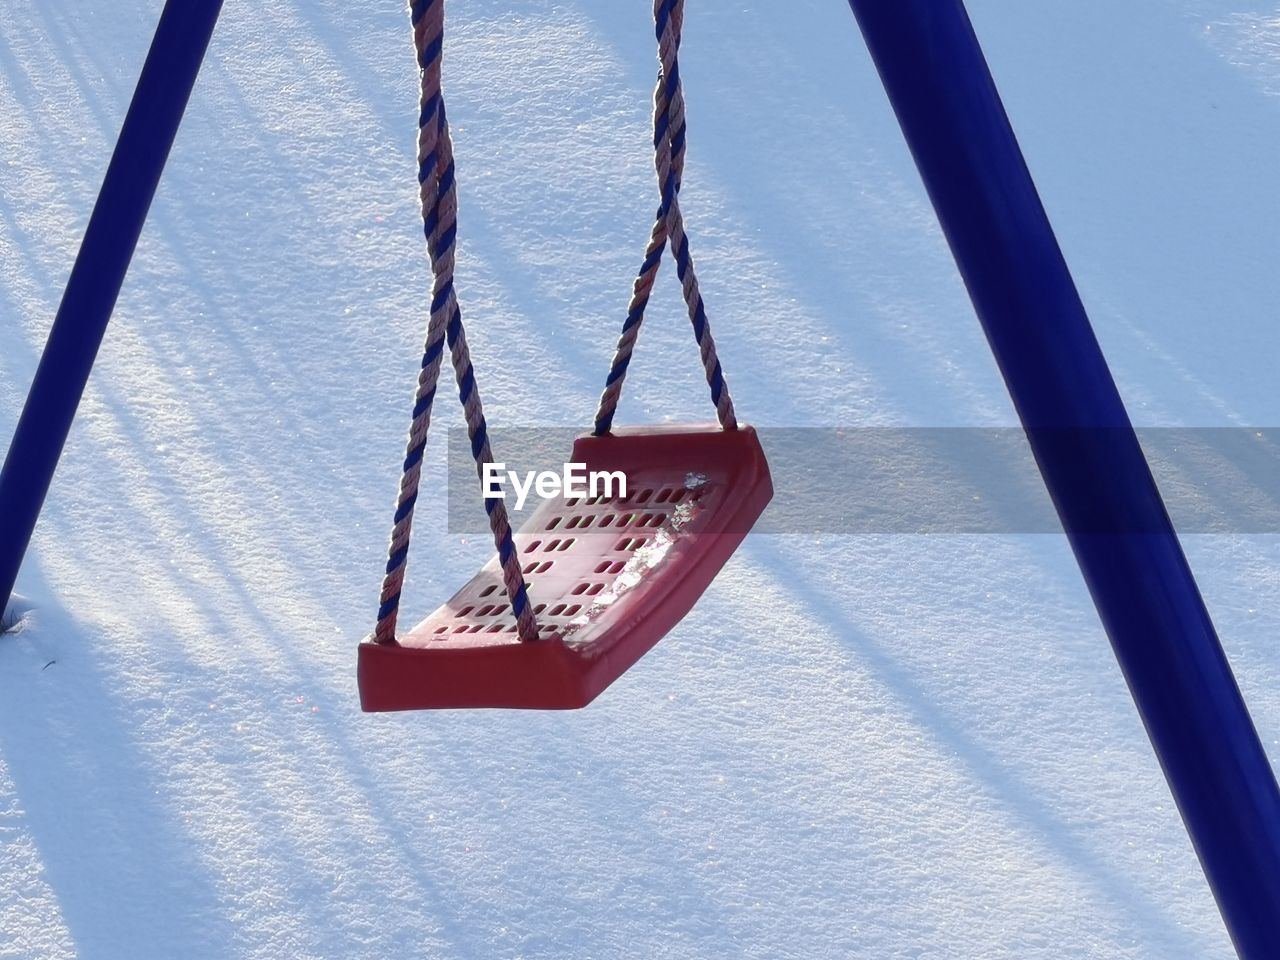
(669, 139)
(436, 177)
(641, 290)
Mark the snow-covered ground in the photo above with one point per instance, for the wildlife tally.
(880, 747)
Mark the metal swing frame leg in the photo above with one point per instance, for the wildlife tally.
(946, 102)
(159, 101)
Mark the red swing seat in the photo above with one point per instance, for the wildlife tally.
(607, 577)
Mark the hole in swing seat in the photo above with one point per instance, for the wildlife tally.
(610, 603)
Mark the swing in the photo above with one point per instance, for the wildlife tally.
(590, 583)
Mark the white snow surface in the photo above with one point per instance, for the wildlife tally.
(879, 747)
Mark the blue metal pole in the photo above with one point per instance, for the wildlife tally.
(946, 102)
(150, 126)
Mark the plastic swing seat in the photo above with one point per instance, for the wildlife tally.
(608, 577)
